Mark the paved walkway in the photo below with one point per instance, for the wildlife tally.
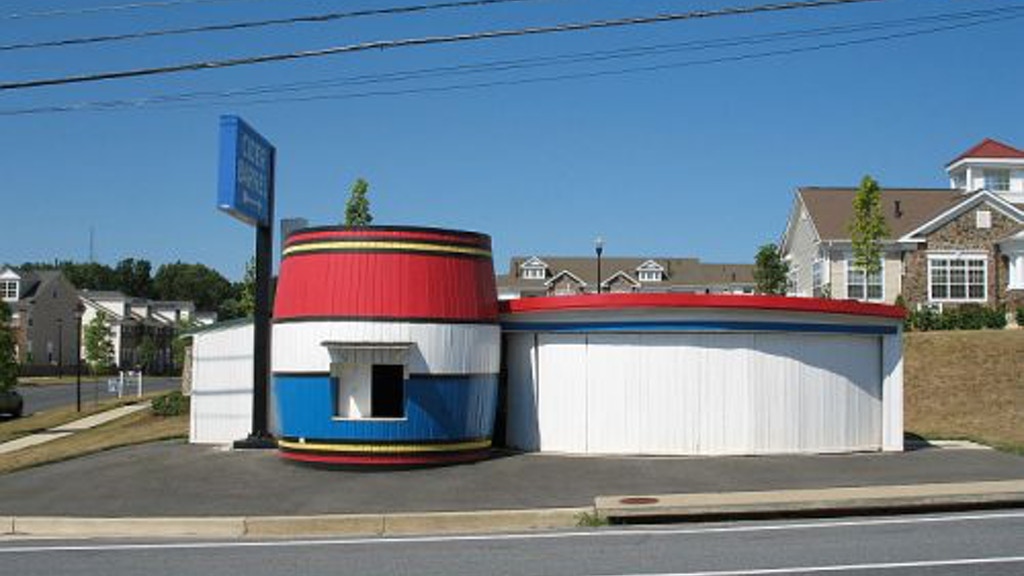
(70, 428)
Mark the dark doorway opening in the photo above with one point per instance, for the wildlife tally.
(388, 395)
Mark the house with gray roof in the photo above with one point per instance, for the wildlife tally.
(42, 307)
(563, 276)
(946, 246)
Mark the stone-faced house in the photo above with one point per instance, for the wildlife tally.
(947, 246)
(565, 276)
(42, 307)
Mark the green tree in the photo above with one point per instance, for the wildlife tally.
(8, 361)
(247, 290)
(357, 209)
(99, 344)
(134, 277)
(868, 227)
(178, 344)
(202, 285)
(146, 352)
(771, 273)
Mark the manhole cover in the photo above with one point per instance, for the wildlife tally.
(638, 500)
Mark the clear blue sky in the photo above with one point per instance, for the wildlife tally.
(682, 161)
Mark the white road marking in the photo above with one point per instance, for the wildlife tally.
(847, 567)
(598, 533)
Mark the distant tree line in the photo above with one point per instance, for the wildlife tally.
(205, 287)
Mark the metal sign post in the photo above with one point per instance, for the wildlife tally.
(246, 191)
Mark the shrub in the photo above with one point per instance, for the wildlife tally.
(1020, 316)
(964, 317)
(171, 404)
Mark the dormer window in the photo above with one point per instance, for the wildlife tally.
(650, 271)
(997, 180)
(533, 269)
(9, 290)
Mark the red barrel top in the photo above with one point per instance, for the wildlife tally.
(386, 273)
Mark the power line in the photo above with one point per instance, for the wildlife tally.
(113, 8)
(990, 16)
(428, 40)
(246, 25)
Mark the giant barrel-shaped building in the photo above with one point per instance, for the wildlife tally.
(386, 346)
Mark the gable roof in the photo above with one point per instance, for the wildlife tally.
(554, 279)
(620, 274)
(831, 209)
(979, 197)
(989, 148)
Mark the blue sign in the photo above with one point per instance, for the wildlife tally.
(246, 177)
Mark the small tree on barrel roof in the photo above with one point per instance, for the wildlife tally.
(357, 209)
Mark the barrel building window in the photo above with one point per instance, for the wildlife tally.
(368, 379)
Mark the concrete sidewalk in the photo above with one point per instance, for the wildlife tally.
(174, 489)
(70, 428)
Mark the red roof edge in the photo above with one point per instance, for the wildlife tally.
(718, 301)
(989, 148)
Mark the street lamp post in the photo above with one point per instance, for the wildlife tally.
(599, 248)
(79, 310)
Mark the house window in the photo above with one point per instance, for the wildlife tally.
(650, 276)
(997, 180)
(961, 279)
(863, 286)
(9, 290)
(1016, 272)
(983, 219)
(818, 278)
(533, 273)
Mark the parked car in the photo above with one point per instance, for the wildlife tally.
(11, 403)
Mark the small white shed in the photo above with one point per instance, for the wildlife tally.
(222, 383)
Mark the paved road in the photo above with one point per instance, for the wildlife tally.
(38, 398)
(990, 543)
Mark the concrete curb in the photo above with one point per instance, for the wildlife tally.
(655, 508)
(830, 501)
(292, 526)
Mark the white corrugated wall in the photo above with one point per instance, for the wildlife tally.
(222, 371)
(690, 393)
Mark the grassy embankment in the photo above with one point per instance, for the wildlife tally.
(966, 385)
(136, 428)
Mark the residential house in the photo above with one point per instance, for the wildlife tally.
(133, 320)
(558, 276)
(42, 307)
(946, 246)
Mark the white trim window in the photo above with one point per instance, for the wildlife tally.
(863, 286)
(961, 278)
(1016, 271)
(818, 278)
(533, 273)
(997, 179)
(8, 290)
(649, 276)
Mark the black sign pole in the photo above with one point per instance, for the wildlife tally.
(260, 436)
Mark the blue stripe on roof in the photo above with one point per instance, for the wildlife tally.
(697, 326)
